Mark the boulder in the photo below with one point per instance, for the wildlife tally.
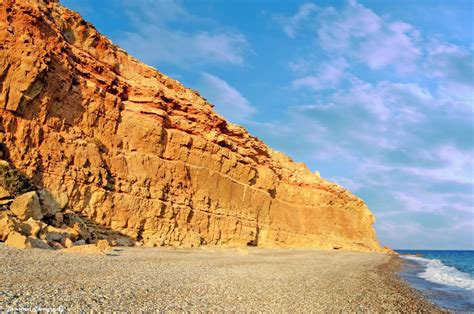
(32, 243)
(50, 233)
(7, 225)
(27, 205)
(50, 205)
(4, 226)
(31, 227)
(16, 240)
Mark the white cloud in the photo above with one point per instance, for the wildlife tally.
(158, 12)
(359, 33)
(221, 47)
(160, 39)
(291, 24)
(446, 60)
(338, 29)
(457, 166)
(227, 100)
(300, 67)
(395, 46)
(329, 75)
(363, 119)
(358, 121)
(453, 66)
(386, 102)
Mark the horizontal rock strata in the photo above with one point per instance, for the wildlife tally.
(118, 142)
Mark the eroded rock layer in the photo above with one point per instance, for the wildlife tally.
(118, 142)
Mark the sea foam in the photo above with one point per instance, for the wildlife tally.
(440, 273)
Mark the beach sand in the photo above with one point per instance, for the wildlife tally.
(134, 279)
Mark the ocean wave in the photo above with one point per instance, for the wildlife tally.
(440, 273)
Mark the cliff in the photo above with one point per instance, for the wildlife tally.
(132, 150)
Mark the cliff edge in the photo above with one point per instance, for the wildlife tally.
(117, 142)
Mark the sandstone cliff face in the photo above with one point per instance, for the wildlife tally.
(120, 143)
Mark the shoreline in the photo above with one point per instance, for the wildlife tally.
(444, 285)
(391, 270)
(211, 279)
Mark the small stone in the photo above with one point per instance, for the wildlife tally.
(80, 242)
(16, 240)
(66, 242)
(27, 205)
(102, 245)
(58, 219)
(32, 242)
(55, 245)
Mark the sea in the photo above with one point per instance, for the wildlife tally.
(445, 277)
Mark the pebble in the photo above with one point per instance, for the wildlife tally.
(136, 279)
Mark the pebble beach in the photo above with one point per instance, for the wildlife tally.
(130, 279)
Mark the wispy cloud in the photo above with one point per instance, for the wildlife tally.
(228, 101)
(327, 76)
(449, 61)
(453, 66)
(160, 37)
(359, 33)
(291, 24)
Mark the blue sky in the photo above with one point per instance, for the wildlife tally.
(376, 95)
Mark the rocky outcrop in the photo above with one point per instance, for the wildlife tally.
(118, 142)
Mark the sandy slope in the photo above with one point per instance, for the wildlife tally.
(204, 279)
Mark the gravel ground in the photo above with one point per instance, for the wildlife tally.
(137, 279)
